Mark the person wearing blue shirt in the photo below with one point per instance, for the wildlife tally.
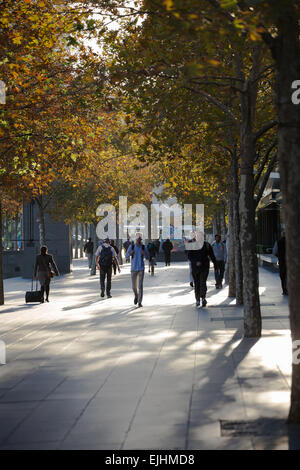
(138, 253)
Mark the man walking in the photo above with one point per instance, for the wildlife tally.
(200, 268)
(89, 249)
(279, 251)
(105, 257)
(219, 249)
(126, 245)
(112, 243)
(138, 253)
(167, 247)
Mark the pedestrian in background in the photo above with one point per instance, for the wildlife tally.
(138, 253)
(279, 250)
(220, 253)
(112, 243)
(167, 247)
(105, 255)
(200, 268)
(42, 271)
(126, 245)
(89, 250)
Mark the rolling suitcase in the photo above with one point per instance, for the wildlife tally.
(33, 295)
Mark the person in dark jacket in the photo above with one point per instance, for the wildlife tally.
(167, 247)
(280, 252)
(152, 254)
(112, 243)
(43, 272)
(89, 250)
(126, 245)
(199, 259)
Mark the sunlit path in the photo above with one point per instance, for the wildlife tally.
(87, 373)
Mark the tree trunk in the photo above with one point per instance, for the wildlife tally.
(1, 259)
(76, 241)
(252, 314)
(286, 52)
(95, 241)
(16, 224)
(236, 231)
(6, 233)
(81, 240)
(230, 255)
(41, 220)
(71, 241)
(216, 223)
(223, 222)
(248, 101)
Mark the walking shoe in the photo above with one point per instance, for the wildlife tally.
(102, 293)
(135, 300)
(47, 300)
(140, 305)
(198, 303)
(191, 284)
(204, 302)
(108, 295)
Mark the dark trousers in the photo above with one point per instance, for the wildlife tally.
(200, 278)
(219, 272)
(114, 268)
(45, 288)
(167, 258)
(283, 275)
(105, 272)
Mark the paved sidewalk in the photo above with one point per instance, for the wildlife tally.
(87, 373)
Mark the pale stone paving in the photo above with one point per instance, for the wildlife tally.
(87, 373)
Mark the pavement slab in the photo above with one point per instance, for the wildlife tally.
(89, 373)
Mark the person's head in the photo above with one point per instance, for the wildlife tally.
(138, 238)
(218, 238)
(107, 240)
(44, 250)
(283, 234)
(90, 239)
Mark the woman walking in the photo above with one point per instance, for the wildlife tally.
(42, 271)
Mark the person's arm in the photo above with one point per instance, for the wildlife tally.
(212, 255)
(53, 264)
(117, 263)
(35, 267)
(171, 246)
(97, 254)
(129, 252)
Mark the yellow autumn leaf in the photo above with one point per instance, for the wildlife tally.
(168, 4)
(214, 62)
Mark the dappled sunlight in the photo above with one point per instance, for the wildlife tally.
(168, 349)
(261, 290)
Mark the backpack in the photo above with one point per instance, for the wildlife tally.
(106, 257)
